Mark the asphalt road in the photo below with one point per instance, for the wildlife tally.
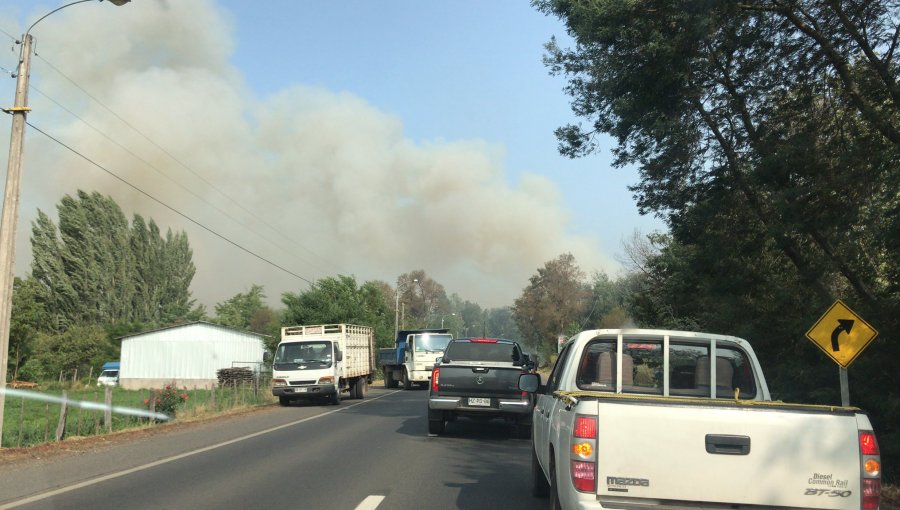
(363, 455)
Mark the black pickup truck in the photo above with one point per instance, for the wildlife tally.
(479, 378)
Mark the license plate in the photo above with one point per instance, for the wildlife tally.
(300, 390)
(481, 402)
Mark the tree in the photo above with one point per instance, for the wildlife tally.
(95, 269)
(552, 304)
(79, 348)
(767, 134)
(240, 310)
(27, 320)
(336, 300)
(422, 297)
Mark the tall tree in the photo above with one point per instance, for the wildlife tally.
(422, 297)
(96, 269)
(28, 319)
(767, 133)
(246, 311)
(552, 304)
(336, 300)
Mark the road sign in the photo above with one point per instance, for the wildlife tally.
(841, 334)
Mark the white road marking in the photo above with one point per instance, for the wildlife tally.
(370, 503)
(99, 479)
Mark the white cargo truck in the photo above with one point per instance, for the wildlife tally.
(322, 362)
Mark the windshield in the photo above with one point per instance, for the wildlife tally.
(431, 342)
(303, 355)
(109, 373)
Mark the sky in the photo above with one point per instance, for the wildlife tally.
(299, 140)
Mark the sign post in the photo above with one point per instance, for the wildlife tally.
(842, 335)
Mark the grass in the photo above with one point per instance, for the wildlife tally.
(29, 422)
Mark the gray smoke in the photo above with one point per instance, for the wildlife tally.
(345, 190)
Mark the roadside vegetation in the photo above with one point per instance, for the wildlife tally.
(30, 422)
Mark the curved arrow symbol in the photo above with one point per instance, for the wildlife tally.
(845, 325)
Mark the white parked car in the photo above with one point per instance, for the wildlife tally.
(108, 378)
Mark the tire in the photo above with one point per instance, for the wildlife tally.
(389, 381)
(359, 388)
(554, 491)
(436, 427)
(336, 398)
(540, 488)
(406, 382)
(284, 401)
(522, 429)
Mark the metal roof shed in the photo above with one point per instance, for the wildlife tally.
(187, 356)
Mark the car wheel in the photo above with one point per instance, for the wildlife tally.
(284, 401)
(406, 382)
(539, 486)
(436, 427)
(554, 491)
(388, 378)
(362, 388)
(336, 398)
(522, 429)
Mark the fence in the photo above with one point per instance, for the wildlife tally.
(36, 417)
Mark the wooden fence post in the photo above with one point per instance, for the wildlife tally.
(21, 422)
(63, 413)
(46, 422)
(107, 411)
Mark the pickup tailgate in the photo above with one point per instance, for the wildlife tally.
(471, 380)
(672, 455)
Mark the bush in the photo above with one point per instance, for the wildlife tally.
(166, 400)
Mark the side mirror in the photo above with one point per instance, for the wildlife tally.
(338, 355)
(530, 383)
(439, 359)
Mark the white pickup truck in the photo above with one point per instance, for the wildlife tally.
(644, 419)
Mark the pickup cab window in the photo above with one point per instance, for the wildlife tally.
(643, 368)
(462, 350)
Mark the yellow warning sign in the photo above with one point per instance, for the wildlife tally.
(842, 334)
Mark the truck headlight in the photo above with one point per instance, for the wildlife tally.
(279, 382)
(328, 379)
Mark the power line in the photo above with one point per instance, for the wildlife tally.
(160, 172)
(178, 161)
(167, 206)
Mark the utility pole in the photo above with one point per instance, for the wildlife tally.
(10, 215)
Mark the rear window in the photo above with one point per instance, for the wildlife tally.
(690, 370)
(476, 351)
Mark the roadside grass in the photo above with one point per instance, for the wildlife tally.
(29, 422)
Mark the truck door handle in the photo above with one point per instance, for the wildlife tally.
(721, 444)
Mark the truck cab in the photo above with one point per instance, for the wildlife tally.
(415, 354)
(306, 369)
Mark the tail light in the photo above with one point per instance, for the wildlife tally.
(870, 464)
(435, 377)
(483, 340)
(583, 453)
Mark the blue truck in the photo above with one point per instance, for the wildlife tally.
(413, 356)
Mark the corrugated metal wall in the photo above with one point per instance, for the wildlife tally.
(193, 351)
